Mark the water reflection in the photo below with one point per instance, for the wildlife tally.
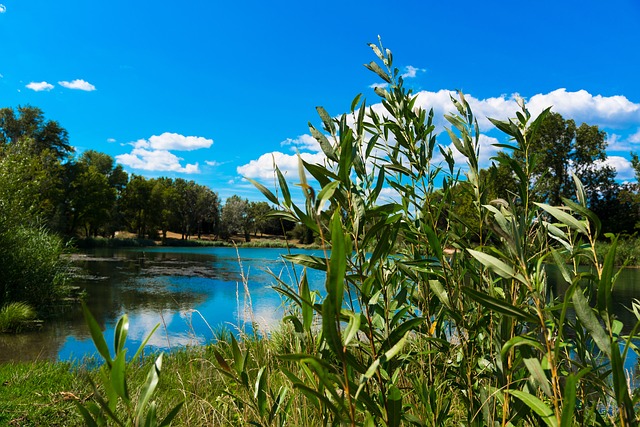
(190, 292)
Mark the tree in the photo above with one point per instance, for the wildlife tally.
(136, 204)
(235, 217)
(29, 123)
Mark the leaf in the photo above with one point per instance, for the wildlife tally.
(326, 120)
(590, 322)
(96, 334)
(120, 334)
(497, 305)
(325, 145)
(148, 389)
(394, 406)
(118, 376)
(501, 268)
(537, 373)
(440, 292)
(264, 190)
(325, 194)
(379, 71)
(352, 327)
(537, 406)
(310, 261)
(307, 306)
(144, 343)
(171, 415)
(563, 217)
(260, 393)
(284, 188)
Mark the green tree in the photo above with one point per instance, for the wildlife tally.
(235, 217)
(136, 205)
(29, 123)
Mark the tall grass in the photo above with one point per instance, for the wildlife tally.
(15, 316)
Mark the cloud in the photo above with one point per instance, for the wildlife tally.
(79, 85)
(155, 160)
(411, 72)
(623, 167)
(3, 8)
(303, 142)
(111, 140)
(635, 137)
(262, 168)
(153, 154)
(379, 85)
(40, 86)
(174, 141)
(212, 163)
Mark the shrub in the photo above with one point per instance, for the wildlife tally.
(13, 316)
(405, 325)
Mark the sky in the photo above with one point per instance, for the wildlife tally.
(213, 91)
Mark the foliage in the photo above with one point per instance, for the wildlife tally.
(481, 321)
(114, 402)
(35, 251)
(14, 315)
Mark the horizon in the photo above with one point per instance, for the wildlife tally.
(212, 93)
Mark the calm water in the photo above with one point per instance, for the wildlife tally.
(191, 293)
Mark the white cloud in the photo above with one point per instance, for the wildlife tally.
(155, 160)
(3, 8)
(379, 85)
(153, 154)
(262, 168)
(174, 141)
(40, 86)
(623, 167)
(111, 140)
(212, 163)
(78, 84)
(635, 137)
(303, 142)
(411, 72)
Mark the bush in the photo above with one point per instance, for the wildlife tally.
(15, 315)
(32, 269)
(423, 306)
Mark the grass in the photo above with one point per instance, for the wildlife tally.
(15, 316)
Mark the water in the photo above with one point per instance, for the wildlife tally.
(191, 292)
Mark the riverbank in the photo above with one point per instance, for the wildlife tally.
(124, 239)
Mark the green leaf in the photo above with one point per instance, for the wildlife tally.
(325, 145)
(394, 406)
(310, 261)
(500, 267)
(537, 373)
(148, 389)
(440, 292)
(118, 376)
(379, 71)
(326, 120)
(88, 419)
(264, 190)
(537, 406)
(144, 343)
(96, 334)
(325, 194)
(120, 334)
(307, 305)
(590, 321)
(497, 305)
(564, 217)
(284, 187)
(260, 393)
(352, 327)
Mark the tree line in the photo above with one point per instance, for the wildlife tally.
(90, 195)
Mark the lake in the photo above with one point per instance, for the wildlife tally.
(191, 292)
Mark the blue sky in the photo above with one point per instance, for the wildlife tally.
(212, 91)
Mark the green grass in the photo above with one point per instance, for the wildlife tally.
(15, 316)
